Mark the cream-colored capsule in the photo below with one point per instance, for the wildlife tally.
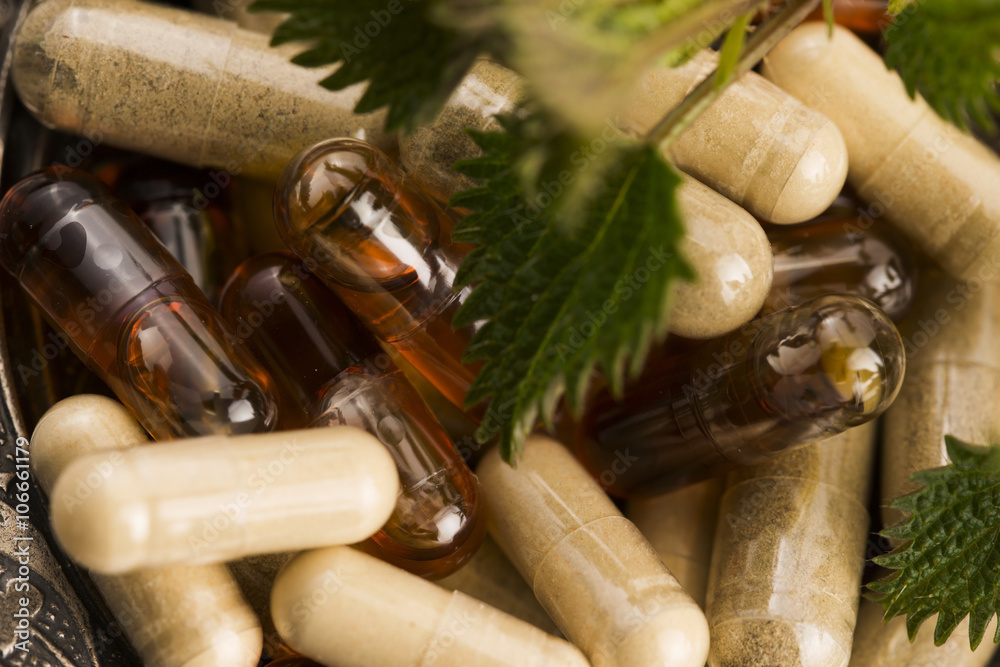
(345, 608)
(491, 578)
(185, 87)
(756, 144)
(879, 644)
(191, 616)
(590, 567)
(937, 184)
(212, 499)
(681, 527)
(788, 555)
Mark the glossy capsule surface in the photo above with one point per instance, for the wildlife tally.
(791, 378)
(215, 499)
(346, 608)
(332, 372)
(936, 184)
(385, 248)
(185, 616)
(841, 255)
(216, 96)
(129, 309)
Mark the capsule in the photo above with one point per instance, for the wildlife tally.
(187, 616)
(591, 569)
(937, 185)
(343, 607)
(880, 644)
(841, 255)
(384, 247)
(128, 309)
(788, 556)
(953, 371)
(491, 578)
(680, 525)
(220, 97)
(215, 499)
(175, 203)
(333, 373)
(788, 379)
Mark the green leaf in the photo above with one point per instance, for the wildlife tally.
(949, 561)
(562, 299)
(732, 46)
(410, 63)
(947, 51)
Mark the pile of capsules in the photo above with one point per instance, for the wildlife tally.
(285, 429)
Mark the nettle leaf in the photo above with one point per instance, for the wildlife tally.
(947, 51)
(949, 561)
(561, 299)
(410, 63)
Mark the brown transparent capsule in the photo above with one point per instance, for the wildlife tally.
(129, 309)
(385, 248)
(330, 371)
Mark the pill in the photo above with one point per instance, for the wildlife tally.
(333, 373)
(788, 556)
(187, 87)
(215, 499)
(128, 309)
(756, 144)
(175, 203)
(841, 254)
(790, 378)
(343, 607)
(880, 644)
(953, 371)
(590, 567)
(937, 185)
(188, 616)
(732, 263)
(490, 577)
(384, 247)
(680, 525)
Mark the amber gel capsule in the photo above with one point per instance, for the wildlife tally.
(332, 372)
(213, 499)
(186, 616)
(840, 255)
(194, 228)
(385, 248)
(129, 309)
(345, 608)
(217, 96)
(590, 567)
(788, 379)
(937, 185)
(788, 556)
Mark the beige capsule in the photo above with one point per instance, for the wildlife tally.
(345, 608)
(681, 527)
(190, 616)
(936, 184)
(186, 87)
(879, 644)
(212, 499)
(590, 567)
(788, 556)
(491, 578)
(756, 144)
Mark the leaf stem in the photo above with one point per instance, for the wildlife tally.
(763, 40)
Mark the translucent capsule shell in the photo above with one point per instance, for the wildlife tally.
(591, 569)
(187, 616)
(189, 88)
(936, 184)
(216, 499)
(343, 607)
